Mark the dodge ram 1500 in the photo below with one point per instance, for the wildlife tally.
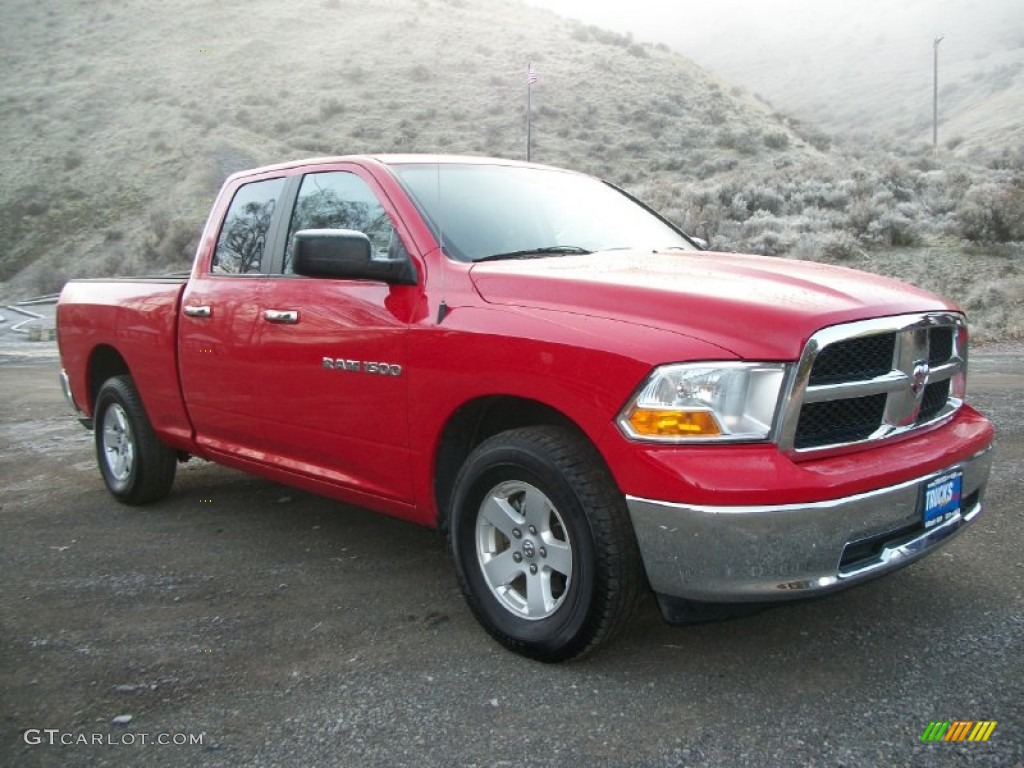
(582, 398)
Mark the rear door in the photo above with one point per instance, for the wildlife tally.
(334, 384)
(218, 335)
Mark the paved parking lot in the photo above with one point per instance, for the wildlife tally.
(277, 628)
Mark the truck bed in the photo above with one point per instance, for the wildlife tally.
(137, 317)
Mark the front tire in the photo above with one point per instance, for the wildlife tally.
(136, 466)
(542, 543)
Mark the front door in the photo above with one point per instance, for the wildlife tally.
(334, 388)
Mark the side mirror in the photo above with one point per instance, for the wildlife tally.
(345, 253)
(700, 242)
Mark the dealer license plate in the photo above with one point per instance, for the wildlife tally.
(942, 499)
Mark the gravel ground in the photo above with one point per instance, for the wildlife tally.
(281, 629)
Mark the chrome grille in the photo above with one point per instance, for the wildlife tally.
(862, 358)
(935, 397)
(843, 421)
(940, 345)
(875, 379)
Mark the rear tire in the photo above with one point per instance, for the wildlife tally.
(136, 466)
(542, 542)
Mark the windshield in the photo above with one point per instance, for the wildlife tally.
(497, 211)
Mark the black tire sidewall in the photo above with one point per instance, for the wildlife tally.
(153, 463)
(565, 629)
(111, 394)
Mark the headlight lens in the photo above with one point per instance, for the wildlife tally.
(697, 402)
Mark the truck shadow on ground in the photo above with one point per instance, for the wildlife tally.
(401, 574)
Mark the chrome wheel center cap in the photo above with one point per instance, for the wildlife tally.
(529, 550)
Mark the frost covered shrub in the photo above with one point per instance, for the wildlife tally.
(901, 182)
(839, 246)
(821, 194)
(746, 143)
(739, 207)
(1008, 159)
(992, 213)
(749, 142)
(897, 226)
(818, 139)
(944, 191)
(817, 220)
(859, 215)
(834, 247)
(705, 223)
(823, 211)
(701, 212)
(769, 243)
(743, 201)
(715, 166)
(882, 219)
(762, 198)
(760, 223)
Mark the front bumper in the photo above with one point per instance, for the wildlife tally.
(742, 554)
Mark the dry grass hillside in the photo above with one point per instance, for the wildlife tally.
(120, 120)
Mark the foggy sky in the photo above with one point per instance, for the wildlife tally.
(836, 63)
(708, 24)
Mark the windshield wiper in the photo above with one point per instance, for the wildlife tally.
(532, 253)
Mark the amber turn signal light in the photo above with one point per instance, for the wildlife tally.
(664, 423)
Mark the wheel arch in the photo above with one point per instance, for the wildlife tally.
(475, 421)
(104, 362)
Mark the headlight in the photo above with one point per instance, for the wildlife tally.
(698, 402)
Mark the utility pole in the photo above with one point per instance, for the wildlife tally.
(935, 95)
(529, 112)
(531, 78)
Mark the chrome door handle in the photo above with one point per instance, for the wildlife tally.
(197, 311)
(283, 316)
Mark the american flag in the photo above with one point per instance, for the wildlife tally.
(532, 75)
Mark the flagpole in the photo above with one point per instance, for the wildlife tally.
(529, 110)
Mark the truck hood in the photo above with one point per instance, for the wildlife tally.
(757, 307)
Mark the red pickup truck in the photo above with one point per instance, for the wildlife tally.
(582, 398)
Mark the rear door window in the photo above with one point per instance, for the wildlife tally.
(243, 237)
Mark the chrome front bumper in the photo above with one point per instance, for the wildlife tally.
(768, 553)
